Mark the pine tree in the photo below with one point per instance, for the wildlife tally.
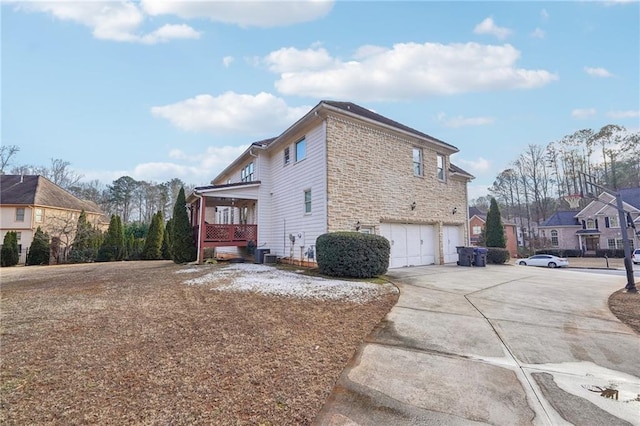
(183, 248)
(494, 228)
(40, 249)
(166, 241)
(153, 243)
(121, 251)
(81, 248)
(9, 255)
(113, 244)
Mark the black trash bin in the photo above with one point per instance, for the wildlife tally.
(260, 252)
(480, 256)
(465, 256)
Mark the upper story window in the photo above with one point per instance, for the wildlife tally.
(417, 162)
(246, 175)
(477, 230)
(554, 238)
(591, 224)
(301, 149)
(20, 214)
(40, 215)
(287, 157)
(307, 201)
(18, 235)
(440, 167)
(611, 222)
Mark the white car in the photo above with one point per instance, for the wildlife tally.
(546, 260)
(635, 256)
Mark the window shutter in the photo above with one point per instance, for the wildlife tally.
(606, 222)
(597, 224)
(584, 224)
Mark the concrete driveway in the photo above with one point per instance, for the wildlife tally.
(500, 345)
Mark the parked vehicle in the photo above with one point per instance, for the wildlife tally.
(635, 256)
(546, 260)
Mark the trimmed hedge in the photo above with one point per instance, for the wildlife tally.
(497, 255)
(352, 254)
(618, 253)
(560, 252)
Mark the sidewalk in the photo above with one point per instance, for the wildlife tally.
(499, 345)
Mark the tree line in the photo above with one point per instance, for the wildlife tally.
(135, 201)
(171, 240)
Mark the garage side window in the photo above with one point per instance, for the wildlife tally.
(440, 167)
(417, 162)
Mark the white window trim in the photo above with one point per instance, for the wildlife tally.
(304, 141)
(419, 163)
(443, 168)
(307, 191)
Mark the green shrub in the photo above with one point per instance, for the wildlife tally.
(9, 255)
(352, 254)
(497, 255)
(561, 252)
(39, 250)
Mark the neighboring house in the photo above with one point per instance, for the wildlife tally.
(29, 201)
(560, 230)
(597, 226)
(340, 167)
(477, 222)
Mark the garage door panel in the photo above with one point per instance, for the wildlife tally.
(411, 244)
(452, 238)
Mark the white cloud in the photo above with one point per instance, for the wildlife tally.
(489, 27)
(243, 13)
(405, 71)
(227, 61)
(109, 20)
(623, 114)
(597, 72)
(262, 114)
(544, 14)
(460, 121)
(479, 165)
(538, 33)
(584, 113)
(477, 191)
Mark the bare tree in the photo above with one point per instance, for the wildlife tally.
(6, 154)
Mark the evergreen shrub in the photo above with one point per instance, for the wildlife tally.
(352, 254)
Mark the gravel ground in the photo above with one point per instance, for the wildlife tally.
(159, 343)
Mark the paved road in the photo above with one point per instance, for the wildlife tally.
(500, 345)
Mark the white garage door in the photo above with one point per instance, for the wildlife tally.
(411, 244)
(452, 238)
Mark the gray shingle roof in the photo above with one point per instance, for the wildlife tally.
(37, 190)
(562, 218)
(631, 196)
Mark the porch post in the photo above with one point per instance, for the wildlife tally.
(203, 229)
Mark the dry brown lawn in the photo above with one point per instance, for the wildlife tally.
(130, 343)
(626, 307)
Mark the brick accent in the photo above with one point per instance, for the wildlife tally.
(371, 180)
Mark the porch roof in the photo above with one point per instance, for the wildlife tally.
(229, 192)
(588, 232)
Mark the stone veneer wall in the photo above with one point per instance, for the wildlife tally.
(370, 180)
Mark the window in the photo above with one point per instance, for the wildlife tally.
(477, 230)
(286, 156)
(307, 201)
(301, 150)
(417, 162)
(39, 215)
(20, 214)
(246, 175)
(18, 235)
(554, 238)
(591, 224)
(613, 222)
(440, 167)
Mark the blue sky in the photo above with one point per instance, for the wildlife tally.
(159, 89)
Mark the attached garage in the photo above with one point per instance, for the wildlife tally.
(452, 237)
(411, 244)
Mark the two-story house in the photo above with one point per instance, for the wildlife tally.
(340, 167)
(31, 201)
(597, 226)
(477, 223)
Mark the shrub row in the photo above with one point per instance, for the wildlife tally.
(560, 252)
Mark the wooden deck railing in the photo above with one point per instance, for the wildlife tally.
(234, 235)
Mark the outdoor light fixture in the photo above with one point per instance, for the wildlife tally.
(454, 211)
(413, 205)
(357, 225)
